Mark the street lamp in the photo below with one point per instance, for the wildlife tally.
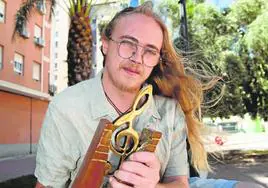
(183, 25)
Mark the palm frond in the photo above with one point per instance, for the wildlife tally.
(88, 8)
(22, 15)
(84, 2)
(72, 7)
(79, 6)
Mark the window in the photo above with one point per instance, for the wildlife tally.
(55, 77)
(24, 32)
(38, 36)
(37, 31)
(2, 11)
(57, 16)
(56, 66)
(56, 44)
(41, 7)
(18, 63)
(56, 55)
(36, 71)
(1, 57)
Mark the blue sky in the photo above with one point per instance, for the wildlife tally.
(221, 3)
(133, 3)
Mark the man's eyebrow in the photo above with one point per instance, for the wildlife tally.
(130, 38)
(137, 41)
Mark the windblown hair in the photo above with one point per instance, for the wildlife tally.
(170, 79)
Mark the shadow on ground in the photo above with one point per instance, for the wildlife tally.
(28, 181)
(236, 165)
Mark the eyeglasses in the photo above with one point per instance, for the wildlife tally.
(127, 49)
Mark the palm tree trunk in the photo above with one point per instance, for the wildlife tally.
(79, 45)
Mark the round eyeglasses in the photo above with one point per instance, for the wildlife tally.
(127, 49)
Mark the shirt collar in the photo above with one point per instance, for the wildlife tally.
(101, 106)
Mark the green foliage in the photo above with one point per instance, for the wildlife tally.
(246, 11)
(234, 43)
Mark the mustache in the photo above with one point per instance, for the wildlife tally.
(133, 66)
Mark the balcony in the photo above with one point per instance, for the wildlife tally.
(39, 41)
(52, 90)
(24, 33)
(41, 7)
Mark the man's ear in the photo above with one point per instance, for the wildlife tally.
(104, 46)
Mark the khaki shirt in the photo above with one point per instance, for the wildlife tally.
(72, 118)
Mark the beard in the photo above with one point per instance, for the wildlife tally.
(125, 85)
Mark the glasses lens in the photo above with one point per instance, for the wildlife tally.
(127, 49)
(150, 57)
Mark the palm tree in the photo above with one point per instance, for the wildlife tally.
(79, 45)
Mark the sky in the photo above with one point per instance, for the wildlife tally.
(220, 3)
(133, 3)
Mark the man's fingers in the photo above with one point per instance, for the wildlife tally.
(130, 178)
(136, 167)
(114, 183)
(147, 158)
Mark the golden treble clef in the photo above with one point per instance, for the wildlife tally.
(123, 125)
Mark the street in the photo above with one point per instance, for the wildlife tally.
(233, 166)
(253, 170)
(250, 172)
(16, 166)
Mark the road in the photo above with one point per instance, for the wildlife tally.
(250, 172)
(16, 166)
(253, 170)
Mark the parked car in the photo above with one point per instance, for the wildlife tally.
(213, 127)
(229, 126)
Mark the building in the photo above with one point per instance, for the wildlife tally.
(59, 38)
(24, 73)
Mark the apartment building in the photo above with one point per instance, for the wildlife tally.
(59, 38)
(24, 73)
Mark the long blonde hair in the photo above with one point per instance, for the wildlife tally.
(170, 79)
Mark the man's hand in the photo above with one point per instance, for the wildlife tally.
(141, 170)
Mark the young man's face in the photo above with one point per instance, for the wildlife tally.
(128, 74)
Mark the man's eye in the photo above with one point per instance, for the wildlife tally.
(150, 52)
(129, 43)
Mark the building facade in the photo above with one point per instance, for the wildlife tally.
(24, 77)
(59, 38)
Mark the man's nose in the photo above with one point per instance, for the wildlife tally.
(138, 56)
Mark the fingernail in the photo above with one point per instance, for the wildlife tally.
(115, 173)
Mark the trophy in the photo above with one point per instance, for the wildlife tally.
(118, 137)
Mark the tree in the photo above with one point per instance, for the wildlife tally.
(232, 43)
(79, 45)
(251, 19)
(79, 40)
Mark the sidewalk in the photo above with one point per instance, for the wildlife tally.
(14, 167)
(249, 167)
(253, 170)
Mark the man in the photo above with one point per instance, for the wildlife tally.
(137, 51)
(132, 51)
